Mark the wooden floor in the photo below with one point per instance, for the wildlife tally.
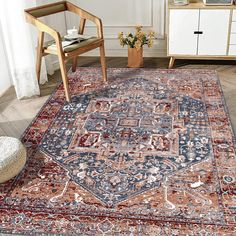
(16, 115)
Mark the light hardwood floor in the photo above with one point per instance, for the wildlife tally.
(16, 115)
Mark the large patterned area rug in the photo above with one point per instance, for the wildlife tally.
(149, 153)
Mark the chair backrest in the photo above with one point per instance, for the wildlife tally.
(47, 9)
(33, 13)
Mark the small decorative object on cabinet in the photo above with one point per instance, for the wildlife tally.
(218, 2)
(197, 31)
(135, 44)
(181, 2)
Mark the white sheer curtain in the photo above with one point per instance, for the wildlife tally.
(20, 40)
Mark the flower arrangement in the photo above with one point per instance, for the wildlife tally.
(136, 40)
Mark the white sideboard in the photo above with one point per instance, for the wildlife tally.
(196, 31)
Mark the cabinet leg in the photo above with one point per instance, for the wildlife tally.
(171, 63)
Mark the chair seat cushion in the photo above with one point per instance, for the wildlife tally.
(12, 158)
(51, 44)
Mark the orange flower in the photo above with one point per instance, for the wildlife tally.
(138, 28)
(138, 44)
(120, 35)
(151, 34)
(150, 43)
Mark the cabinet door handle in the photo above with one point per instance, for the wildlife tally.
(198, 32)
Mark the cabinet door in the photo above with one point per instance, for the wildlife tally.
(214, 25)
(182, 24)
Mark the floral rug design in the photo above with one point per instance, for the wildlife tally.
(150, 153)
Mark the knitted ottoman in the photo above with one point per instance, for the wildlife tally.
(12, 158)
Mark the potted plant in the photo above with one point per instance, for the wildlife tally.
(135, 44)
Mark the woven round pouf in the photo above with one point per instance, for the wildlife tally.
(12, 158)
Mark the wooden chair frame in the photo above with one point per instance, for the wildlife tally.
(32, 16)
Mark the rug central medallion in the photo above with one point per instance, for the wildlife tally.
(128, 138)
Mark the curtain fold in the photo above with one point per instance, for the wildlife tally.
(20, 40)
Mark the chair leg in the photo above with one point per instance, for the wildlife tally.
(64, 77)
(39, 54)
(74, 64)
(103, 62)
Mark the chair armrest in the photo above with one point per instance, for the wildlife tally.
(43, 27)
(87, 16)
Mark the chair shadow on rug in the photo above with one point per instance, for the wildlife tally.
(69, 52)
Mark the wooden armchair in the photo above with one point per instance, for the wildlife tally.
(72, 52)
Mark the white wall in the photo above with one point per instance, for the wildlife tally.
(5, 79)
